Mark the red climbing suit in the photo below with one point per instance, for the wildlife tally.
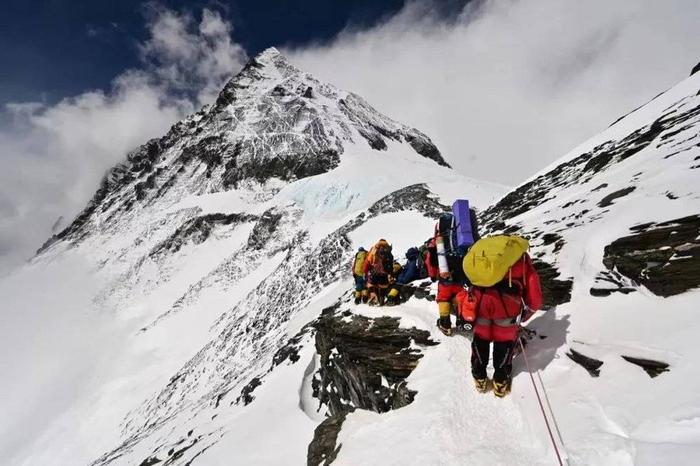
(499, 306)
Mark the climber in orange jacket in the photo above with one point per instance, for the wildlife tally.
(378, 266)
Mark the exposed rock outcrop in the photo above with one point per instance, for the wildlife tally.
(364, 363)
(590, 364)
(650, 366)
(664, 257)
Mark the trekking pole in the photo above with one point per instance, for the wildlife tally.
(539, 400)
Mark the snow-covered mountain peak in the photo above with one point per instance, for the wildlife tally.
(269, 54)
(212, 246)
(271, 126)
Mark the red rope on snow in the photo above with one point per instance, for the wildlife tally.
(539, 400)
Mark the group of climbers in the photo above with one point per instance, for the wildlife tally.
(489, 284)
(373, 272)
(379, 279)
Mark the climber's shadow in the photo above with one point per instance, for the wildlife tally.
(542, 351)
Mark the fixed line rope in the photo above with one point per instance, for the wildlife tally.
(539, 400)
(551, 413)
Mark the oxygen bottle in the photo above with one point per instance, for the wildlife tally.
(441, 255)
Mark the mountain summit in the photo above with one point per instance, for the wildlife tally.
(271, 124)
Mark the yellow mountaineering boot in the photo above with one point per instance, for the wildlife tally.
(392, 298)
(482, 385)
(501, 389)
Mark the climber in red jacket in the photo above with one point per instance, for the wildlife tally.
(498, 312)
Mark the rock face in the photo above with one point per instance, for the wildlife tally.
(590, 364)
(198, 229)
(664, 257)
(364, 363)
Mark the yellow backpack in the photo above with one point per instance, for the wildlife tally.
(358, 268)
(489, 259)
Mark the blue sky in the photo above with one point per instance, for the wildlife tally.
(51, 49)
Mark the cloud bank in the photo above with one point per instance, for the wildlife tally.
(510, 85)
(53, 157)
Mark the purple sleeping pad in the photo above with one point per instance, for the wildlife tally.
(463, 223)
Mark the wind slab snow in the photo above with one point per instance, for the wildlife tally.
(171, 323)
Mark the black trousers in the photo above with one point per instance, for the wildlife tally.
(502, 359)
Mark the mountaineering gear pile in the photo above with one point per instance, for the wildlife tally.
(358, 266)
(503, 280)
(378, 266)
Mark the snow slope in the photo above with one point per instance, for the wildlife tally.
(180, 318)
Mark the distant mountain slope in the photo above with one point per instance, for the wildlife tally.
(200, 256)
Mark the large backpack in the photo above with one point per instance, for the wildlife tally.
(359, 264)
(489, 260)
(382, 259)
(454, 253)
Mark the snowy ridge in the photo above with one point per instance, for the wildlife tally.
(207, 318)
(620, 216)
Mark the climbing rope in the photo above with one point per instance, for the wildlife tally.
(551, 413)
(539, 400)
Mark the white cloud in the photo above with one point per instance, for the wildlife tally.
(510, 85)
(54, 156)
(191, 57)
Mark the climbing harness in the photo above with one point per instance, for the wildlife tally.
(539, 400)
